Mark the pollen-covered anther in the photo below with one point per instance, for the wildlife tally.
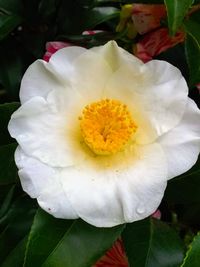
(106, 126)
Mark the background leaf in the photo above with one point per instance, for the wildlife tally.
(192, 49)
(46, 232)
(7, 201)
(6, 111)
(8, 170)
(187, 185)
(16, 256)
(176, 11)
(90, 242)
(8, 22)
(150, 243)
(17, 222)
(192, 258)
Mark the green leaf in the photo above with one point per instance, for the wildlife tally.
(176, 10)
(150, 243)
(90, 243)
(8, 170)
(74, 19)
(16, 256)
(14, 6)
(192, 258)
(17, 223)
(7, 201)
(6, 111)
(14, 61)
(8, 22)
(99, 15)
(46, 232)
(192, 50)
(4, 191)
(187, 185)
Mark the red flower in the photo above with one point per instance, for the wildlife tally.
(156, 42)
(115, 257)
(147, 17)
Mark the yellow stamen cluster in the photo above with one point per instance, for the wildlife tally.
(106, 126)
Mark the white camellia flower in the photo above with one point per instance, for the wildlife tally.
(100, 133)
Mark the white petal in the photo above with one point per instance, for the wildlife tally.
(38, 80)
(86, 70)
(167, 95)
(109, 196)
(34, 175)
(42, 182)
(62, 61)
(127, 85)
(116, 56)
(42, 133)
(90, 75)
(152, 98)
(182, 144)
(54, 201)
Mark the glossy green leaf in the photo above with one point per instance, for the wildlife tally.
(16, 256)
(176, 10)
(8, 170)
(192, 258)
(187, 185)
(8, 22)
(6, 111)
(192, 50)
(82, 245)
(46, 232)
(17, 223)
(150, 243)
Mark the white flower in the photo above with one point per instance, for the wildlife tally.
(100, 133)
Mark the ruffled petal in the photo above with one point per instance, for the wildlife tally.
(115, 56)
(77, 65)
(149, 89)
(182, 144)
(62, 61)
(42, 182)
(38, 80)
(114, 195)
(43, 133)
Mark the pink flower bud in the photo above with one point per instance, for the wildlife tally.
(52, 47)
(156, 215)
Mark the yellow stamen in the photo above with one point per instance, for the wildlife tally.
(106, 126)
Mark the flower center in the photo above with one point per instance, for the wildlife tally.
(106, 126)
